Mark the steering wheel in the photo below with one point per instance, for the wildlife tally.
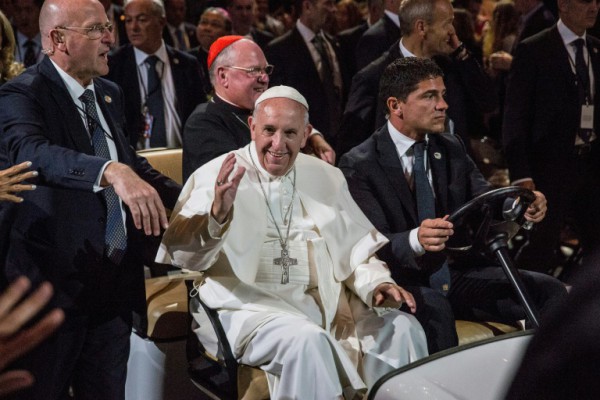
(499, 213)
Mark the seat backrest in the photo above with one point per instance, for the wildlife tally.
(166, 161)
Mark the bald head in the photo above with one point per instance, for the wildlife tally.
(65, 28)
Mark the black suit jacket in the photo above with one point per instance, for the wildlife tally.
(376, 41)
(57, 233)
(541, 19)
(186, 78)
(348, 40)
(377, 183)
(469, 93)
(542, 111)
(214, 128)
(190, 31)
(202, 57)
(261, 38)
(294, 66)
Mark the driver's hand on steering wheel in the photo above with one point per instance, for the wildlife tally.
(433, 233)
(537, 210)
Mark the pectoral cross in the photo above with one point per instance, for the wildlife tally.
(285, 261)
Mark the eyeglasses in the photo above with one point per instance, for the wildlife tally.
(254, 71)
(95, 32)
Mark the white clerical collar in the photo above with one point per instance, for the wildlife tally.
(256, 162)
(161, 53)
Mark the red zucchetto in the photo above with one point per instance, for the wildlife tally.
(219, 45)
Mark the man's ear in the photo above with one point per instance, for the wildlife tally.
(221, 76)
(251, 125)
(394, 106)
(57, 37)
(420, 27)
(307, 132)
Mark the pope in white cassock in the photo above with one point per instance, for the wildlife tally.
(290, 263)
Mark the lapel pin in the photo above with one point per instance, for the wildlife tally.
(176, 61)
(437, 155)
(595, 50)
(108, 99)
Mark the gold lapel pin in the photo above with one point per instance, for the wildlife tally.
(108, 99)
(437, 155)
(176, 61)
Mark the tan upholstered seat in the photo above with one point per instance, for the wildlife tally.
(166, 161)
(469, 331)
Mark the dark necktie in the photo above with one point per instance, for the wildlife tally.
(115, 237)
(328, 79)
(583, 84)
(29, 58)
(156, 105)
(181, 45)
(439, 280)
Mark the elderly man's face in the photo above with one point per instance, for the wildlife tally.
(240, 87)
(144, 27)
(438, 33)
(279, 131)
(85, 58)
(424, 110)
(212, 26)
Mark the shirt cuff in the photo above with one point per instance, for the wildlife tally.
(413, 239)
(97, 187)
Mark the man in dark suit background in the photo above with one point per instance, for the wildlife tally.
(178, 33)
(116, 17)
(535, 17)
(156, 114)
(242, 20)
(309, 60)
(214, 23)
(427, 31)
(382, 175)
(350, 37)
(84, 227)
(551, 125)
(379, 37)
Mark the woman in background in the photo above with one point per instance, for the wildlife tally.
(9, 68)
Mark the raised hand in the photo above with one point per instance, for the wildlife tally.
(226, 188)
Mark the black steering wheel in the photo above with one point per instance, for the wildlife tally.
(499, 213)
(486, 223)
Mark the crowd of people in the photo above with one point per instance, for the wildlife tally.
(324, 146)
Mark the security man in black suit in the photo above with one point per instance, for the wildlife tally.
(407, 178)
(551, 126)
